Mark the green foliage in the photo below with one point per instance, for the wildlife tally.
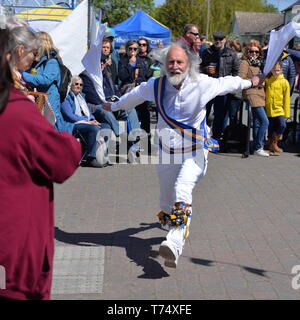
(175, 14)
(116, 11)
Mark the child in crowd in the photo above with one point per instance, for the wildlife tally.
(277, 105)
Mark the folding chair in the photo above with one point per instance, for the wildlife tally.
(84, 145)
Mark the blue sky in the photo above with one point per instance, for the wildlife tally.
(281, 4)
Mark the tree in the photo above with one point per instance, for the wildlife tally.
(176, 13)
(116, 11)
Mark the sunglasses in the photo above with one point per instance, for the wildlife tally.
(194, 33)
(132, 49)
(78, 84)
(253, 51)
(143, 44)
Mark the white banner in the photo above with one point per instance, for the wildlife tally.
(278, 40)
(70, 37)
(92, 62)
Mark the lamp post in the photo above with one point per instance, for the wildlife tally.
(207, 17)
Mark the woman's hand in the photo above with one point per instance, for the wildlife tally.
(95, 122)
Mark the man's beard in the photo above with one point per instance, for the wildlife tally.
(177, 79)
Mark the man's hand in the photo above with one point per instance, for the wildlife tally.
(107, 106)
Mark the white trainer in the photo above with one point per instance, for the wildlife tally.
(169, 253)
(261, 153)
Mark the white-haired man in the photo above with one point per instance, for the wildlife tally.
(180, 96)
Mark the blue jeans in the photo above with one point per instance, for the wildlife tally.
(89, 132)
(276, 125)
(132, 117)
(109, 118)
(260, 126)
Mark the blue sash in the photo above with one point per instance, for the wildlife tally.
(199, 141)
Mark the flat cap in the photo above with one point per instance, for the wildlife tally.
(219, 34)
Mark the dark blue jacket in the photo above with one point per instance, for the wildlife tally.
(126, 71)
(288, 69)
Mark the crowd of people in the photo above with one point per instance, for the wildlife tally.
(186, 80)
(123, 70)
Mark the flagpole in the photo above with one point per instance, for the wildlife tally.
(89, 24)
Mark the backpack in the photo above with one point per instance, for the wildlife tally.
(65, 80)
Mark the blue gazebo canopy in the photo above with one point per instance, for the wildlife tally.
(141, 25)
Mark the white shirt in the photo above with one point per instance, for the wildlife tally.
(186, 105)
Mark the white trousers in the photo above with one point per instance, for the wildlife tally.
(177, 182)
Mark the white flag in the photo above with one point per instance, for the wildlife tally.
(70, 37)
(278, 40)
(92, 62)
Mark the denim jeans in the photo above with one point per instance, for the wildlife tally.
(276, 125)
(89, 132)
(107, 117)
(111, 119)
(132, 117)
(260, 126)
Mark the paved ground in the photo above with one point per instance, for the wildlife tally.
(243, 244)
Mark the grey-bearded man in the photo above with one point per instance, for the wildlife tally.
(181, 95)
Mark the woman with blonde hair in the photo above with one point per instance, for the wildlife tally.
(45, 77)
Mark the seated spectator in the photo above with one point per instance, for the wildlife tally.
(76, 112)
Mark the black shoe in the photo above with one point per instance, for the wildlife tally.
(93, 163)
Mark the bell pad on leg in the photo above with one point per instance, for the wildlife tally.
(178, 217)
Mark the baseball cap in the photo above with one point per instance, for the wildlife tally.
(108, 34)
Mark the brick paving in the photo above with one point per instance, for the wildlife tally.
(244, 239)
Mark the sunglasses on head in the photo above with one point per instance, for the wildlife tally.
(194, 33)
(253, 51)
(143, 44)
(132, 49)
(78, 84)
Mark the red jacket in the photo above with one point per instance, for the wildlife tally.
(191, 46)
(33, 155)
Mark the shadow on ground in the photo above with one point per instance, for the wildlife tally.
(138, 250)
(257, 272)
